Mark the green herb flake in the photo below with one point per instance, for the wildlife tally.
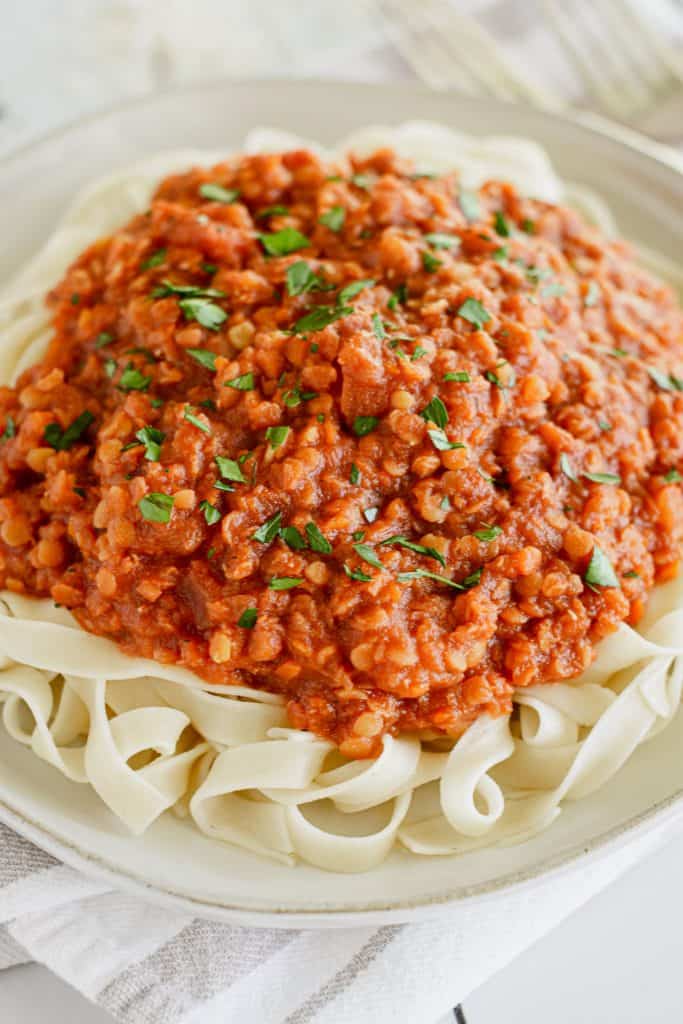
(103, 338)
(357, 574)
(317, 540)
(156, 403)
(209, 268)
(334, 218)
(441, 241)
(152, 440)
(203, 357)
(247, 619)
(110, 366)
(441, 443)
(435, 412)
(245, 382)
(604, 425)
(459, 376)
(592, 296)
(469, 204)
(133, 380)
(205, 312)
(193, 291)
(501, 224)
(567, 468)
(156, 507)
(75, 299)
(425, 574)
(603, 478)
(285, 582)
(155, 260)
(364, 181)
(321, 317)
(399, 296)
(195, 421)
(666, 381)
(501, 254)
(217, 194)
(268, 531)
(354, 474)
(229, 470)
(272, 211)
(211, 513)
(378, 327)
(351, 290)
(368, 555)
(631, 575)
(673, 477)
(63, 440)
(292, 538)
(363, 425)
(358, 535)
(300, 278)
(420, 549)
(281, 243)
(528, 226)
(474, 312)
(430, 263)
(600, 572)
(276, 436)
(10, 429)
(488, 533)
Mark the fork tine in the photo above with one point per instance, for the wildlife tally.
(424, 53)
(464, 35)
(605, 92)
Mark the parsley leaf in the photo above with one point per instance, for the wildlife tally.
(320, 317)
(441, 241)
(230, 470)
(10, 429)
(603, 478)
(62, 440)
(317, 540)
(285, 582)
(473, 311)
(363, 425)
(501, 223)
(354, 474)
(600, 572)
(567, 468)
(368, 555)
(399, 296)
(247, 619)
(460, 376)
(211, 513)
(399, 541)
(104, 338)
(334, 218)
(217, 194)
(301, 278)
(268, 531)
(152, 440)
(203, 357)
(356, 574)
(156, 507)
(245, 382)
(195, 421)
(272, 211)
(419, 574)
(276, 436)
(430, 263)
(441, 443)
(292, 538)
(351, 290)
(435, 412)
(488, 533)
(673, 477)
(281, 243)
(378, 327)
(205, 312)
(155, 260)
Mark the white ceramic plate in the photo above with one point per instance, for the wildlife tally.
(173, 862)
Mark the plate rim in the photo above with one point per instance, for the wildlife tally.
(658, 818)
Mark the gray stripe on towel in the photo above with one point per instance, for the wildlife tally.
(20, 858)
(338, 984)
(172, 981)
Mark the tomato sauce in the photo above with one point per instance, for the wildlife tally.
(351, 434)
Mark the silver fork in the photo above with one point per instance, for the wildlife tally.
(624, 64)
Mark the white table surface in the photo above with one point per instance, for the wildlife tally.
(615, 961)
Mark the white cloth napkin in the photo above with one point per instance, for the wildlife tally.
(147, 965)
(141, 963)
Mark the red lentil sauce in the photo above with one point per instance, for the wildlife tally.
(393, 502)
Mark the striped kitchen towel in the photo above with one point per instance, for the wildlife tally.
(145, 964)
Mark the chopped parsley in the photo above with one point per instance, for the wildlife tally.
(317, 540)
(211, 513)
(195, 421)
(156, 507)
(593, 294)
(320, 317)
(285, 582)
(356, 574)
(430, 263)
(155, 260)
(203, 357)
(247, 619)
(441, 241)
(600, 572)
(152, 440)
(104, 338)
(293, 538)
(10, 429)
(420, 549)
(528, 226)
(603, 478)
(245, 382)
(230, 470)
(435, 412)
(63, 440)
(368, 555)
(420, 574)
(363, 425)
(469, 204)
(351, 290)
(378, 327)
(418, 352)
(460, 376)
(334, 218)
(193, 291)
(363, 181)
(295, 396)
(301, 278)
(205, 312)
(441, 443)
(474, 312)
(272, 211)
(673, 477)
(666, 381)
(567, 468)
(501, 224)
(354, 474)
(131, 379)
(488, 533)
(281, 243)
(217, 194)
(75, 299)
(604, 425)
(399, 296)
(268, 531)
(500, 254)
(276, 436)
